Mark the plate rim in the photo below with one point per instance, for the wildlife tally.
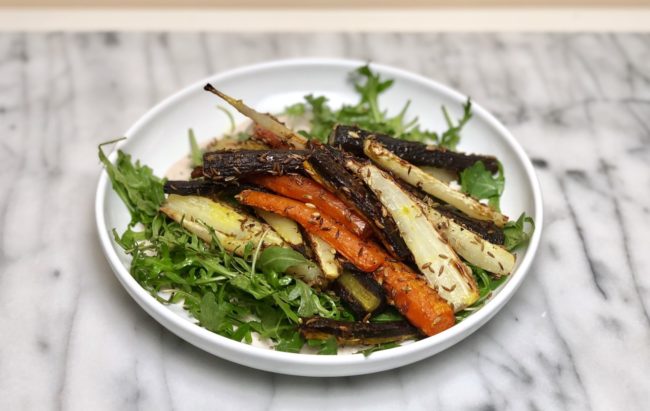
(339, 365)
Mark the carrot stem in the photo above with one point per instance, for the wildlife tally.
(268, 137)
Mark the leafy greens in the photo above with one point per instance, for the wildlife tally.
(515, 232)
(225, 292)
(480, 183)
(137, 186)
(368, 115)
(486, 285)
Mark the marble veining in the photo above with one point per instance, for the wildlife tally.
(576, 336)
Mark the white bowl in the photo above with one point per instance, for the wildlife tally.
(159, 139)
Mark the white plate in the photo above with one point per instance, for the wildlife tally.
(159, 139)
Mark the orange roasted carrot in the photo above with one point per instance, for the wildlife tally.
(408, 292)
(414, 298)
(307, 190)
(364, 254)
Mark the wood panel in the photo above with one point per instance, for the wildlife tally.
(348, 4)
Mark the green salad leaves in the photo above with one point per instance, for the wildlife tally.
(486, 285)
(516, 233)
(368, 115)
(229, 295)
(480, 183)
(137, 186)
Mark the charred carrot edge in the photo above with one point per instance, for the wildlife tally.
(415, 299)
(364, 254)
(268, 137)
(307, 190)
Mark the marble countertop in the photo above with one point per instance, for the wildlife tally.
(575, 336)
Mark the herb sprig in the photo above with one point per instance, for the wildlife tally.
(368, 114)
(480, 183)
(516, 234)
(137, 186)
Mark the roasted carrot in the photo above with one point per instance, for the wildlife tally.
(267, 121)
(268, 137)
(308, 191)
(414, 299)
(364, 254)
(409, 293)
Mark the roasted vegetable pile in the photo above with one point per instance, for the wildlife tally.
(363, 229)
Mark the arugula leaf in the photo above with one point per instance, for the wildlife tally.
(422, 136)
(368, 114)
(451, 137)
(486, 285)
(140, 190)
(295, 110)
(480, 183)
(323, 118)
(212, 315)
(308, 301)
(390, 314)
(243, 332)
(252, 285)
(286, 308)
(195, 151)
(325, 347)
(379, 347)
(515, 232)
(370, 91)
(291, 344)
(279, 259)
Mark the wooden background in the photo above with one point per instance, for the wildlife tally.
(329, 4)
(326, 15)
